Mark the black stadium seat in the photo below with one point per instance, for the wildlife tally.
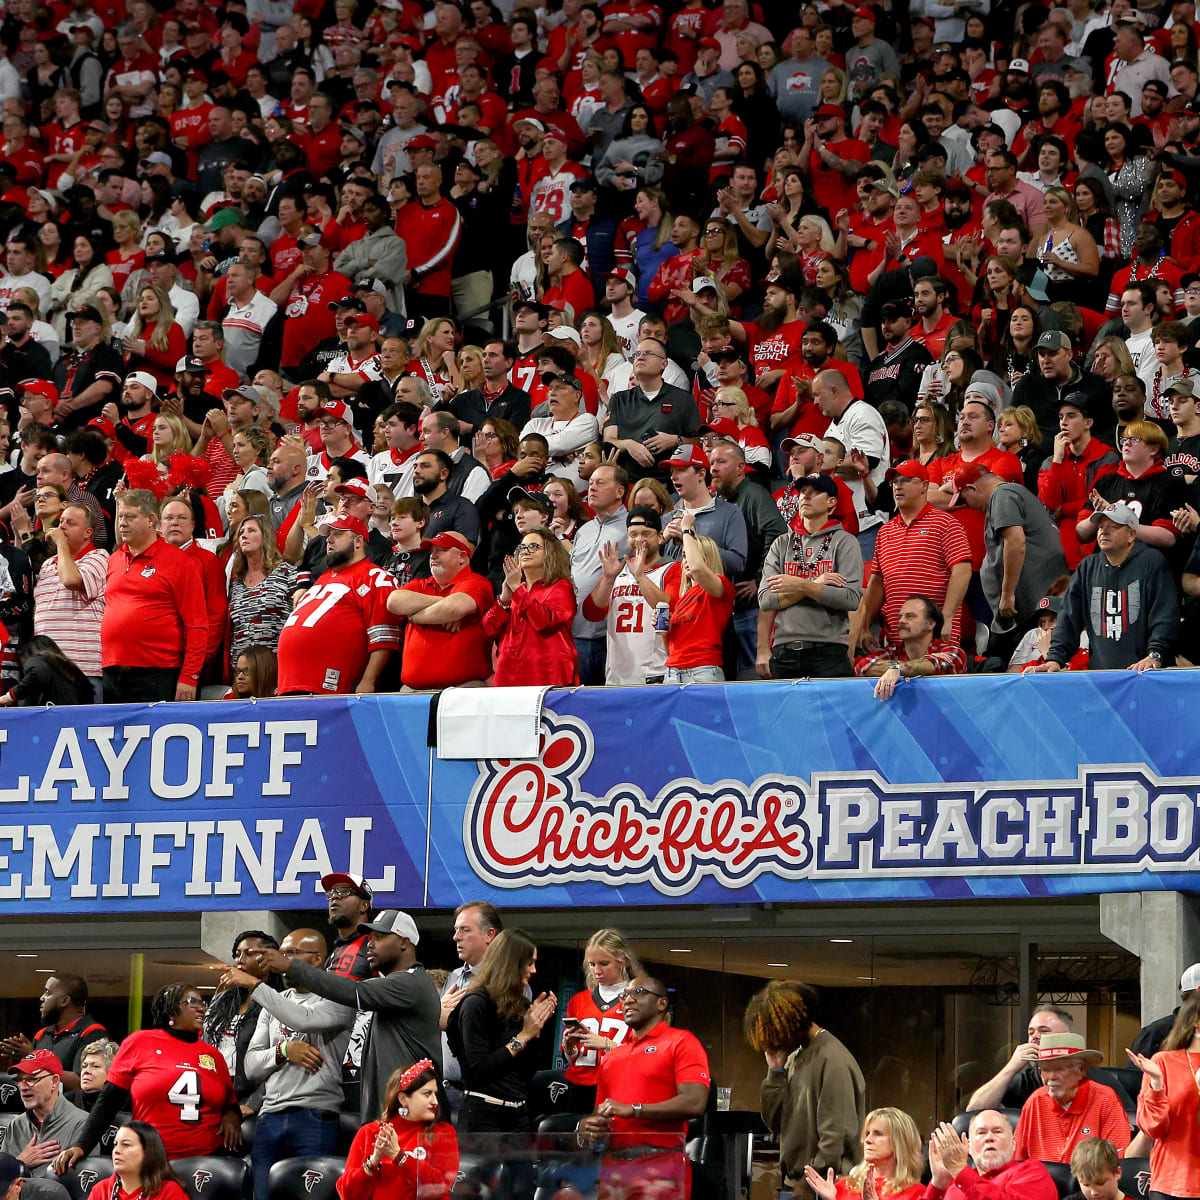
(962, 1122)
(307, 1176)
(10, 1095)
(105, 1144)
(348, 1125)
(85, 1174)
(212, 1178)
(1061, 1174)
(1135, 1177)
(249, 1125)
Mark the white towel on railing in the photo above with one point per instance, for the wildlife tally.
(489, 722)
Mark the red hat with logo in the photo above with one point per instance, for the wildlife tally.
(687, 454)
(102, 425)
(909, 470)
(40, 387)
(722, 427)
(449, 539)
(968, 474)
(368, 319)
(345, 521)
(39, 1060)
(338, 411)
(709, 43)
(554, 134)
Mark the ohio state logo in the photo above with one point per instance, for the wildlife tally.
(311, 1179)
(532, 823)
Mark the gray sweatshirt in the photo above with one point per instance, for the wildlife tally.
(298, 1016)
(826, 619)
(404, 1028)
(721, 521)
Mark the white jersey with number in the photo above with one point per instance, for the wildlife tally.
(635, 650)
(552, 193)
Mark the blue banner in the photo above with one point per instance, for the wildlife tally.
(993, 786)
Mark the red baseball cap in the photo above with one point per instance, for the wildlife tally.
(449, 539)
(357, 487)
(554, 134)
(353, 524)
(421, 142)
(967, 474)
(910, 470)
(40, 387)
(368, 319)
(687, 454)
(104, 426)
(867, 14)
(722, 427)
(340, 878)
(338, 411)
(830, 110)
(39, 1060)
(709, 43)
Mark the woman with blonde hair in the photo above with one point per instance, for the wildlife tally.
(168, 435)
(732, 404)
(602, 352)
(129, 255)
(532, 616)
(154, 341)
(1017, 432)
(891, 1166)
(1112, 358)
(649, 231)
(594, 1024)
(470, 368)
(700, 599)
(720, 257)
(833, 86)
(1069, 255)
(433, 358)
(814, 243)
(649, 493)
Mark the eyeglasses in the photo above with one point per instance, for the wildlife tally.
(340, 893)
(528, 547)
(1132, 441)
(38, 1078)
(714, 229)
(193, 1002)
(647, 354)
(642, 991)
(952, 358)
(724, 404)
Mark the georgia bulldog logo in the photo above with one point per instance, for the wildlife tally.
(311, 1179)
(87, 1180)
(200, 1177)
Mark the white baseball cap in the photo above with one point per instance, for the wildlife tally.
(392, 920)
(564, 333)
(1189, 981)
(144, 378)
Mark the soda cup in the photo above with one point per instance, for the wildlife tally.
(662, 617)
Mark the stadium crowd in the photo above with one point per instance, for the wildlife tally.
(356, 347)
(348, 1061)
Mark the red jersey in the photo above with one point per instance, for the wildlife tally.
(307, 319)
(630, 41)
(62, 140)
(574, 289)
(698, 621)
(192, 123)
(143, 427)
(771, 351)
(431, 234)
(787, 500)
(683, 32)
(434, 657)
(915, 558)
(602, 1019)
(648, 1069)
(154, 613)
(524, 370)
(181, 1088)
(324, 149)
(1000, 462)
(674, 273)
(338, 623)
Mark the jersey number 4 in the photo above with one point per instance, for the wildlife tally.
(185, 1095)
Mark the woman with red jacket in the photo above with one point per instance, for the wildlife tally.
(140, 1168)
(154, 343)
(408, 1153)
(533, 614)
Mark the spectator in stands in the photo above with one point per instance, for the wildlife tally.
(814, 1095)
(177, 521)
(1124, 597)
(532, 616)
(286, 477)
(402, 999)
(255, 674)
(140, 1167)
(50, 1121)
(47, 677)
(431, 475)
(261, 586)
(408, 1151)
(296, 1052)
(154, 634)
(892, 1156)
(94, 1063)
(490, 1032)
(468, 478)
(339, 635)
(68, 598)
(713, 516)
(68, 1030)
(210, 1117)
(1041, 1132)
(810, 585)
(916, 650)
(445, 644)
(996, 1169)
(1151, 1036)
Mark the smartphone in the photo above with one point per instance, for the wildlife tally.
(572, 1023)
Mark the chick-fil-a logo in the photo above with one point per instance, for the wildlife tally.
(532, 823)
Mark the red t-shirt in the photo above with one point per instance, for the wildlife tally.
(575, 290)
(769, 352)
(307, 316)
(337, 624)
(181, 1088)
(647, 1070)
(833, 190)
(698, 621)
(1000, 462)
(436, 658)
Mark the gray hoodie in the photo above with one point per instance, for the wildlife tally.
(831, 549)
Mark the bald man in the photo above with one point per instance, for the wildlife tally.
(297, 1049)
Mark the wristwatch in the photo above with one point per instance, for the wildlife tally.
(1156, 655)
(637, 1111)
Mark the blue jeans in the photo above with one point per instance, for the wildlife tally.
(290, 1133)
(866, 541)
(593, 657)
(695, 675)
(745, 626)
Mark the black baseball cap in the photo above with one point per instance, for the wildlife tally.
(643, 514)
(86, 312)
(818, 483)
(537, 499)
(189, 364)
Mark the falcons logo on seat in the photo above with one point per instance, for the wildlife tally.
(1143, 1183)
(311, 1179)
(7, 1091)
(87, 1180)
(557, 1091)
(200, 1178)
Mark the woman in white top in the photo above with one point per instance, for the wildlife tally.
(1069, 255)
(601, 350)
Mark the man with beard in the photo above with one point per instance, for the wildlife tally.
(958, 216)
(996, 1172)
(352, 496)
(775, 337)
(431, 471)
(349, 899)
(309, 398)
(930, 297)
(1054, 116)
(340, 633)
(1149, 265)
(896, 373)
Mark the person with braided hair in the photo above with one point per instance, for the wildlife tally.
(408, 1152)
(814, 1095)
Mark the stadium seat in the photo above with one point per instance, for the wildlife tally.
(85, 1174)
(308, 1175)
(1061, 1174)
(962, 1122)
(6, 1119)
(1135, 1177)
(556, 1134)
(249, 1125)
(348, 1125)
(10, 1095)
(105, 1144)
(212, 1178)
